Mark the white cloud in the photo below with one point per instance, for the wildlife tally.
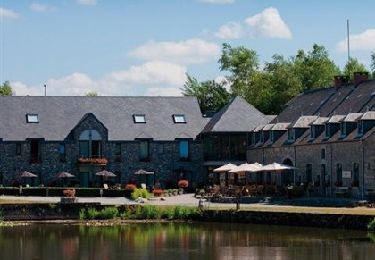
(40, 8)
(163, 92)
(217, 1)
(362, 41)
(150, 78)
(7, 13)
(190, 51)
(268, 24)
(151, 73)
(231, 30)
(86, 2)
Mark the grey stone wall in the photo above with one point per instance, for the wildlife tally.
(344, 153)
(164, 158)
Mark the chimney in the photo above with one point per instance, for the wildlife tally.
(359, 77)
(340, 81)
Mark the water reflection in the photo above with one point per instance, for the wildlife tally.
(182, 241)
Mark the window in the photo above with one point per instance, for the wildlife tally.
(312, 132)
(309, 173)
(355, 175)
(184, 149)
(272, 136)
(117, 152)
(1, 178)
(262, 137)
(291, 135)
(18, 149)
(343, 129)
(139, 118)
(323, 154)
(90, 144)
(179, 119)
(32, 118)
(118, 149)
(62, 152)
(34, 151)
(360, 127)
(144, 150)
(327, 131)
(339, 174)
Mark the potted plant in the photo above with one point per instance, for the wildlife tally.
(158, 192)
(69, 196)
(183, 183)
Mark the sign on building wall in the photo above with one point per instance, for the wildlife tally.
(347, 174)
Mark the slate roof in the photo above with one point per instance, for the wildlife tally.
(352, 117)
(280, 127)
(326, 102)
(336, 118)
(303, 122)
(320, 121)
(370, 115)
(237, 116)
(59, 115)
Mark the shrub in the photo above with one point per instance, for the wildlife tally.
(167, 213)
(69, 193)
(183, 183)
(371, 225)
(150, 212)
(92, 213)
(143, 193)
(82, 214)
(108, 213)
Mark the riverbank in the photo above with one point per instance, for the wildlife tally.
(96, 214)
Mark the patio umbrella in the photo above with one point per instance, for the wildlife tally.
(143, 172)
(225, 167)
(146, 173)
(64, 175)
(247, 167)
(105, 174)
(26, 174)
(276, 167)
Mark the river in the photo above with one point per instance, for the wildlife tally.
(182, 241)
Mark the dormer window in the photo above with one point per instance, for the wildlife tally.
(360, 127)
(291, 135)
(32, 118)
(327, 131)
(179, 119)
(343, 129)
(139, 118)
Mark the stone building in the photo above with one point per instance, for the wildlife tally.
(327, 134)
(83, 135)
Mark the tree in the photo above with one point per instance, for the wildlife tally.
(315, 69)
(6, 89)
(91, 94)
(211, 95)
(353, 65)
(284, 83)
(242, 63)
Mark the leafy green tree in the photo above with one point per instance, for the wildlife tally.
(353, 65)
(91, 94)
(284, 83)
(211, 95)
(243, 64)
(315, 68)
(6, 89)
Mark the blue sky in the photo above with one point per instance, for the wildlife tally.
(139, 47)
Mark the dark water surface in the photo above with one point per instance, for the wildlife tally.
(182, 241)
